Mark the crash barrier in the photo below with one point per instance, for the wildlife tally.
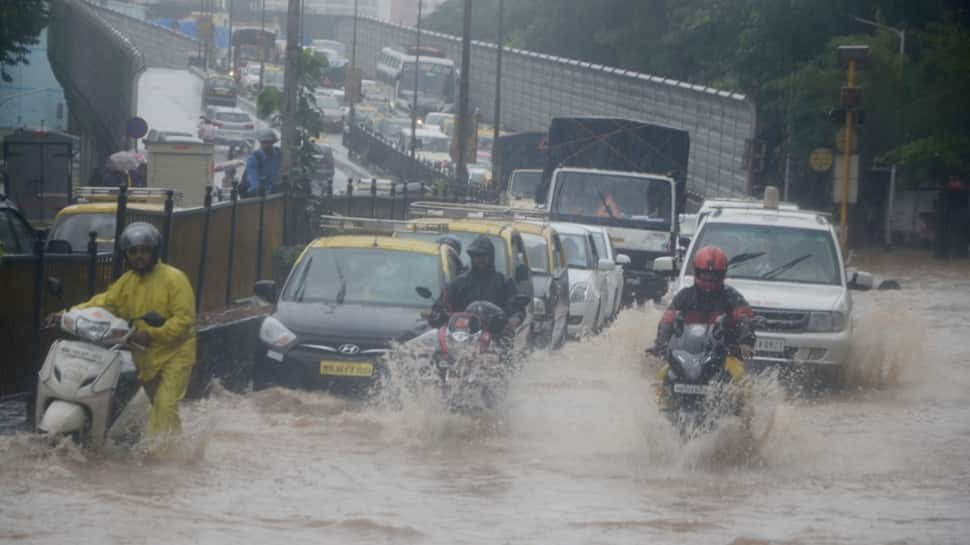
(537, 88)
(390, 200)
(373, 149)
(98, 66)
(222, 248)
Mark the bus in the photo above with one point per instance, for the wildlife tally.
(437, 78)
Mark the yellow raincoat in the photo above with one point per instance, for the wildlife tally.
(166, 365)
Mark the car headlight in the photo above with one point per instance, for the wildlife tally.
(826, 322)
(579, 293)
(274, 333)
(538, 307)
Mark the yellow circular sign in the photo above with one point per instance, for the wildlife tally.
(821, 159)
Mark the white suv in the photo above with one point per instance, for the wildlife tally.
(788, 265)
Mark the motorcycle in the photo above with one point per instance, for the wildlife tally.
(86, 385)
(470, 360)
(701, 382)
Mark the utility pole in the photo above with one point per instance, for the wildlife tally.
(232, 56)
(353, 75)
(414, 101)
(464, 120)
(290, 83)
(850, 100)
(498, 92)
(262, 53)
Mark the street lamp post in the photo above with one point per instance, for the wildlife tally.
(891, 197)
(463, 123)
(262, 37)
(414, 101)
(496, 171)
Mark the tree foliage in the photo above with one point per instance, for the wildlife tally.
(782, 54)
(21, 22)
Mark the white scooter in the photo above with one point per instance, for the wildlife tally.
(86, 385)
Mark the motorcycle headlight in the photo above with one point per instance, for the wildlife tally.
(579, 293)
(538, 307)
(274, 333)
(91, 330)
(826, 322)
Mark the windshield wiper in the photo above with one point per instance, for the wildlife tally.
(741, 258)
(302, 284)
(605, 204)
(342, 293)
(778, 270)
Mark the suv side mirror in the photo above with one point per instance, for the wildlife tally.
(622, 259)
(664, 265)
(859, 280)
(266, 290)
(605, 265)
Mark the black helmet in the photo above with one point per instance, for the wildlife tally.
(491, 315)
(481, 246)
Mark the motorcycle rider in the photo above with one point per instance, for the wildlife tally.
(480, 283)
(703, 303)
(165, 365)
(263, 166)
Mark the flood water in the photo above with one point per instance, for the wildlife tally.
(578, 454)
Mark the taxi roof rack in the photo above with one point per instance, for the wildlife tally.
(350, 225)
(445, 210)
(153, 195)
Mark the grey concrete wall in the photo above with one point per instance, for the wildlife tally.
(537, 88)
(161, 47)
(97, 66)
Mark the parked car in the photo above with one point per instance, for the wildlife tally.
(220, 91)
(614, 278)
(232, 125)
(587, 279)
(332, 110)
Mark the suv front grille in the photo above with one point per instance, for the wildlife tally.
(783, 321)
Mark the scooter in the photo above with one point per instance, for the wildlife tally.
(85, 385)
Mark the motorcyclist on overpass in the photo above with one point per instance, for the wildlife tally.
(263, 166)
(165, 366)
(707, 299)
(481, 283)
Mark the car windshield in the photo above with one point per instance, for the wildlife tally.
(466, 238)
(614, 196)
(577, 255)
(329, 102)
(524, 184)
(364, 276)
(782, 254)
(233, 117)
(74, 228)
(537, 249)
(434, 144)
(221, 84)
(432, 79)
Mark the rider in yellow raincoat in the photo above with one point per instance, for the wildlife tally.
(165, 366)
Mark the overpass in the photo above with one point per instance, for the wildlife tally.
(98, 56)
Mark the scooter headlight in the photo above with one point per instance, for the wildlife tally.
(275, 334)
(91, 330)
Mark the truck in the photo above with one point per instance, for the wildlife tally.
(519, 151)
(628, 176)
(186, 167)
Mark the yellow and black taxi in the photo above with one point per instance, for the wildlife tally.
(348, 298)
(97, 211)
(550, 283)
(511, 256)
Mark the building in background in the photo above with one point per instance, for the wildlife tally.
(377, 9)
(34, 99)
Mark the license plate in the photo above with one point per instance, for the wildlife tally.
(770, 345)
(690, 389)
(346, 369)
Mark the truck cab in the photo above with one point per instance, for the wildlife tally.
(638, 210)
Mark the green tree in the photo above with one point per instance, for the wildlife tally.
(21, 22)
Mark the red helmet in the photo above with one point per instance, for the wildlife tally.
(710, 268)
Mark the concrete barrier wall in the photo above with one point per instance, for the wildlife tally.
(161, 47)
(537, 88)
(98, 66)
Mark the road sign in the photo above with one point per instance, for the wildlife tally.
(136, 127)
(821, 159)
(838, 174)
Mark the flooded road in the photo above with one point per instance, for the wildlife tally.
(579, 454)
